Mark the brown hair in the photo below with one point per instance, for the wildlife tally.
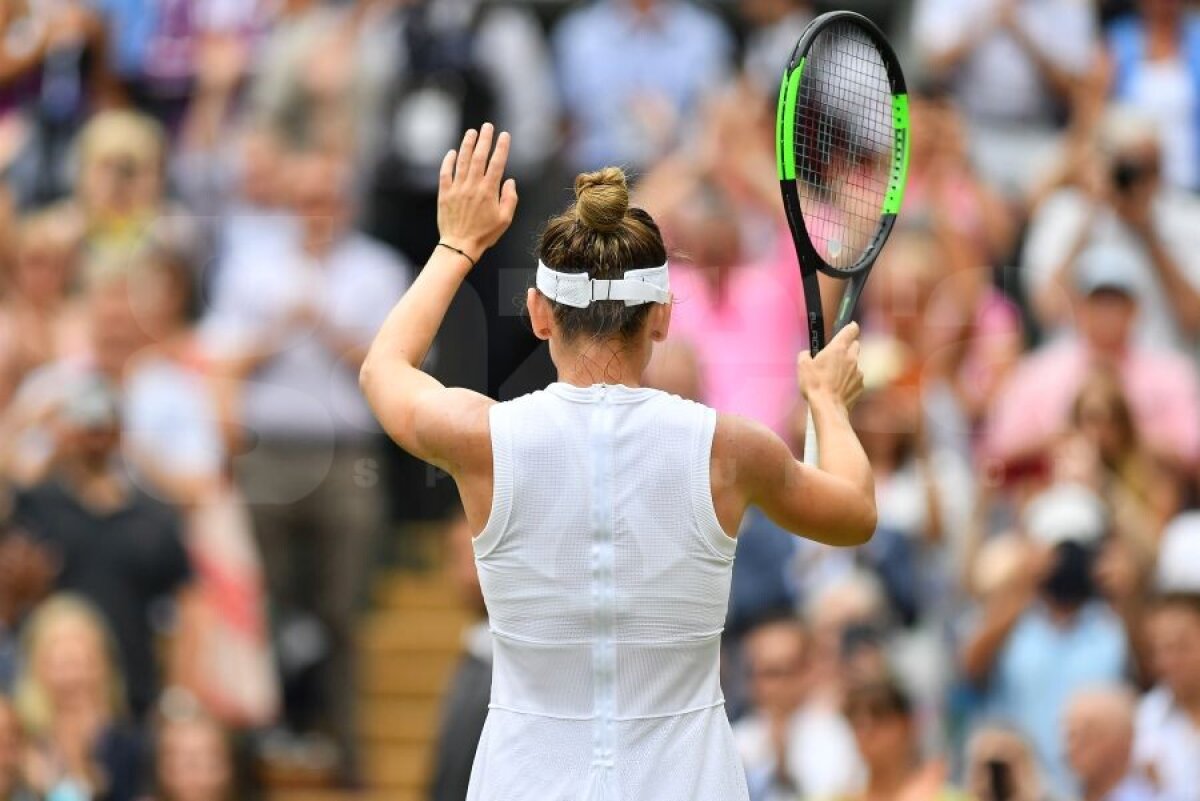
(880, 696)
(1108, 385)
(602, 236)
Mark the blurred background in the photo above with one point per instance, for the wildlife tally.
(218, 581)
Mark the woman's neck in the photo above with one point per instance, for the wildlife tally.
(601, 363)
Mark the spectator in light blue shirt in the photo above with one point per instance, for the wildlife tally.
(632, 71)
(1050, 654)
(1051, 634)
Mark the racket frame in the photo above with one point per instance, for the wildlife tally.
(811, 262)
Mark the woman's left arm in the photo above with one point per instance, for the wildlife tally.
(475, 207)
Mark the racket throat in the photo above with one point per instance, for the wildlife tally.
(815, 311)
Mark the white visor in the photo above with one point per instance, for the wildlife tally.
(649, 285)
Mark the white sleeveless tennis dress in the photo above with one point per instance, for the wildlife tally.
(606, 576)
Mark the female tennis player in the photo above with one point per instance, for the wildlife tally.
(606, 510)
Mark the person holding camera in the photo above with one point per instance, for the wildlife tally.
(1051, 632)
(1151, 61)
(1112, 194)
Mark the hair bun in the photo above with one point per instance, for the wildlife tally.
(602, 199)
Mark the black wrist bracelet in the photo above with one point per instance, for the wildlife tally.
(456, 250)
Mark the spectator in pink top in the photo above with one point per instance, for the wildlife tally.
(735, 327)
(1033, 408)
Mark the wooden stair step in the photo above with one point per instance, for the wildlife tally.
(395, 794)
(398, 719)
(419, 674)
(398, 766)
(410, 590)
(404, 630)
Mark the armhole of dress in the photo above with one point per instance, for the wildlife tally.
(502, 484)
(703, 510)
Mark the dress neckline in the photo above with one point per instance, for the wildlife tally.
(614, 393)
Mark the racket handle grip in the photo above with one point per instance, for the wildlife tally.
(810, 441)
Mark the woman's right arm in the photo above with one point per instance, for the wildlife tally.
(832, 503)
(446, 427)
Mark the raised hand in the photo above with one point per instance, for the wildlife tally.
(474, 209)
(834, 372)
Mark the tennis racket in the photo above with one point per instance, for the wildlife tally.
(842, 153)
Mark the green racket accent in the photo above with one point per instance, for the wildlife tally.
(780, 146)
(895, 194)
(786, 152)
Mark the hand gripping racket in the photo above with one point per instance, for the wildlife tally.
(842, 152)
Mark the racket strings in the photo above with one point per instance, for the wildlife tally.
(844, 139)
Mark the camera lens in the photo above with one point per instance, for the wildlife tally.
(1127, 173)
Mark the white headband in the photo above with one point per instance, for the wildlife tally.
(649, 285)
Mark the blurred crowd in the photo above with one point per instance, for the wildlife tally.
(207, 207)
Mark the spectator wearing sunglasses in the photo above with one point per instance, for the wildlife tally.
(1112, 195)
(1053, 632)
(886, 730)
(792, 745)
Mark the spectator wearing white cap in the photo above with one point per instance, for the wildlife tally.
(1167, 738)
(1034, 406)
(114, 544)
(1051, 633)
(1098, 733)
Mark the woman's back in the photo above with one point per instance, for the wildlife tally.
(602, 556)
(606, 576)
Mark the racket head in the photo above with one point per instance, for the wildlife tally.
(842, 128)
